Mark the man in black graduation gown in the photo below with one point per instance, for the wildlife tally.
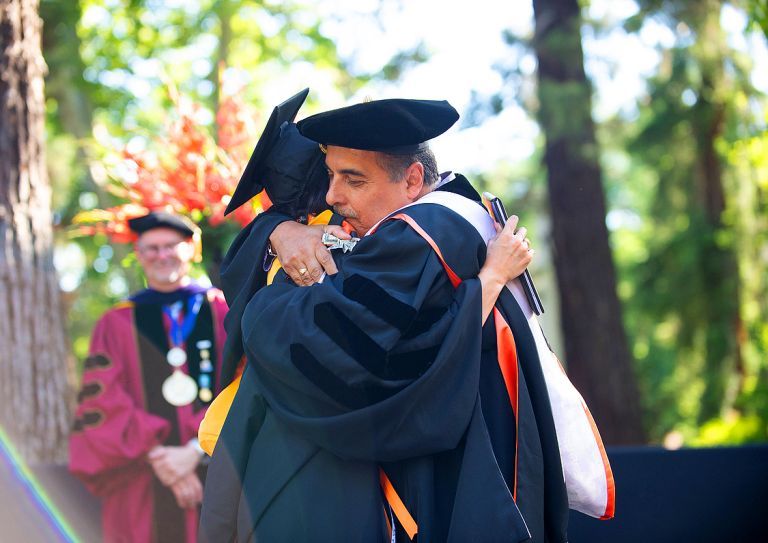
(387, 368)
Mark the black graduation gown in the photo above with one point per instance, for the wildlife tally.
(252, 447)
(384, 364)
(242, 273)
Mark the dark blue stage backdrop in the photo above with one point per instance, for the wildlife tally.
(717, 495)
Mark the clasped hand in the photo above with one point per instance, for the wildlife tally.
(175, 468)
(302, 253)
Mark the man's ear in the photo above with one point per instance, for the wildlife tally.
(414, 179)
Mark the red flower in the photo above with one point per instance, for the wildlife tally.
(186, 171)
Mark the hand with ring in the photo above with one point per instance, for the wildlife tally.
(509, 253)
(302, 253)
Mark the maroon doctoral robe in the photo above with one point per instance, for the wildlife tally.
(122, 414)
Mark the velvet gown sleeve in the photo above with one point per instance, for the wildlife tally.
(112, 432)
(378, 362)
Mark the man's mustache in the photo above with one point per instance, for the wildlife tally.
(347, 213)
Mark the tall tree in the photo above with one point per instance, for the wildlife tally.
(33, 376)
(596, 347)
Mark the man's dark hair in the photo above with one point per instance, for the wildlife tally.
(395, 165)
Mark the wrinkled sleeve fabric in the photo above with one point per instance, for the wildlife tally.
(111, 430)
(362, 363)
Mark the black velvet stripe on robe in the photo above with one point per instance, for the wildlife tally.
(382, 364)
(329, 356)
(332, 362)
(250, 440)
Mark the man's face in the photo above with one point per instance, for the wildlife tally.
(361, 190)
(165, 255)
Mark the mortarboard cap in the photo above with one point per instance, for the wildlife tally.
(293, 168)
(394, 126)
(162, 219)
(283, 162)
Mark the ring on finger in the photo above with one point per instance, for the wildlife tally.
(302, 271)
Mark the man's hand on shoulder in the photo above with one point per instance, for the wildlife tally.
(301, 251)
(509, 253)
(171, 464)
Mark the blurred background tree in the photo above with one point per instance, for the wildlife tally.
(688, 312)
(685, 214)
(36, 373)
(111, 65)
(758, 14)
(671, 346)
(596, 349)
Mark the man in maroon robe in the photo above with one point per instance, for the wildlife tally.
(153, 368)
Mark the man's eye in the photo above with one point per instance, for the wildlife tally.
(355, 182)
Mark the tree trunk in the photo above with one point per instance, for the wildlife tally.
(597, 353)
(723, 360)
(225, 12)
(35, 375)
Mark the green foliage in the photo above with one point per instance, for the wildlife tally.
(747, 158)
(111, 63)
(132, 49)
(522, 188)
(690, 269)
(735, 429)
(687, 217)
(758, 14)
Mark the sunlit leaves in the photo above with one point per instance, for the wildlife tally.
(184, 170)
(696, 311)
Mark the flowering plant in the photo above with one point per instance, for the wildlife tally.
(186, 171)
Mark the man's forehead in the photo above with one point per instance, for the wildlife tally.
(342, 157)
(161, 235)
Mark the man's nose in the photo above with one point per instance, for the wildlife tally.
(333, 194)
